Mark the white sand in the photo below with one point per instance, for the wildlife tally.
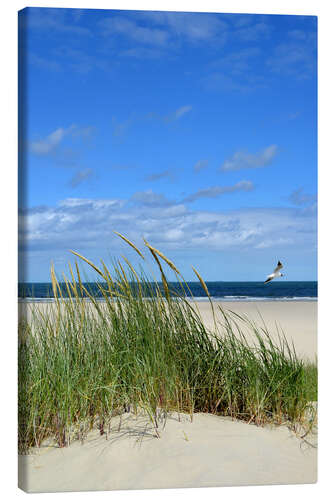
(210, 451)
(297, 320)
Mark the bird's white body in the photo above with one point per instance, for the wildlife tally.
(275, 274)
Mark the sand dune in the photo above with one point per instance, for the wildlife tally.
(210, 451)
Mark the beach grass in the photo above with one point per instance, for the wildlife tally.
(145, 348)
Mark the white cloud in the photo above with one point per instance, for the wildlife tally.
(216, 191)
(175, 115)
(170, 29)
(242, 159)
(172, 116)
(119, 129)
(160, 175)
(182, 111)
(123, 26)
(88, 203)
(149, 198)
(54, 20)
(88, 225)
(47, 145)
(300, 198)
(237, 63)
(273, 243)
(194, 27)
(51, 142)
(295, 58)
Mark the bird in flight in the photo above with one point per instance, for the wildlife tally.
(275, 274)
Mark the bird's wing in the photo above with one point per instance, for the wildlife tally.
(278, 267)
(269, 278)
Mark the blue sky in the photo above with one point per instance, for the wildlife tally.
(197, 132)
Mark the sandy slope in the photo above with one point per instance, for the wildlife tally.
(210, 451)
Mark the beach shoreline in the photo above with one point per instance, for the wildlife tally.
(297, 320)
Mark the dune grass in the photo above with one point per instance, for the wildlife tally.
(147, 349)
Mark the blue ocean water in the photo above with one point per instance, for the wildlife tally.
(219, 290)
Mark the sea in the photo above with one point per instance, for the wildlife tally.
(218, 290)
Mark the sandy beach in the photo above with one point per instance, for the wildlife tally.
(296, 319)
(209, 451)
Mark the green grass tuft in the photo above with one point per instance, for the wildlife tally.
(82, 362)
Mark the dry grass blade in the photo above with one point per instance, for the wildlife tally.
(73, 284)
(130, 244)
(134, 274)
(203, 284)
(70, 287)
(131, 267)
(124, 277)
(55, 285)
(160, 254)
(54, 281)
(90, 264)
(164, 281)
(58, 298)
(79, 278)
(109, 280)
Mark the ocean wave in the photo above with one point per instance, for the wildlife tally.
(247, 298)
(266, 299)
(225, 298)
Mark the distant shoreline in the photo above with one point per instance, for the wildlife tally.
(198, 299)
(232, 291)
(296, 318)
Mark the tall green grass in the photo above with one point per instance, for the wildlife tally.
(81, 362)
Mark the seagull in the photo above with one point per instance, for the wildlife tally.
(275, 274)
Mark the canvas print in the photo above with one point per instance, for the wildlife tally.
(167, 249)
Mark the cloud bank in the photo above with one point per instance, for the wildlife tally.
(88, 225)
